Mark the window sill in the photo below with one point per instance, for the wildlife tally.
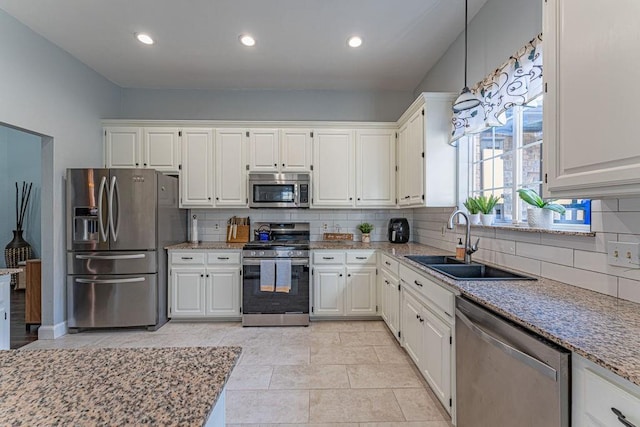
(525, 228)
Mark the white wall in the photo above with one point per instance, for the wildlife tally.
(499, 29)
(20, 154)
(47, 91)
(264, 104)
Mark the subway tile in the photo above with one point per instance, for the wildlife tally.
(591, 280)
(527, 265)
(605, 205)
(499, 245)
(545, 253)
(597, 243)
(616, 222)
(518, 236)
(629, 290)
(629, 205)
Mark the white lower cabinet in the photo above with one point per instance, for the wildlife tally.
(426, 331)
(390, 293)
(601, 398)
(204, 284)
(344, 283)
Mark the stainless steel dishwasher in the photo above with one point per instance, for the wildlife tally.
(506, 375)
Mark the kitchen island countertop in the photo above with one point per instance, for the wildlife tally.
(8, 271)
(113, 386)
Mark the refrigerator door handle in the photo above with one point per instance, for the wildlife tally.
(115, 257)
(114, 224)
(107, 281)
(103, 229)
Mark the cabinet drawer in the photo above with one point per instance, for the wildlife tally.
(188, 258)
(390, 264)
(443, 299)
(602, 396)
(361, 257)
(223, 258)
(328, 258)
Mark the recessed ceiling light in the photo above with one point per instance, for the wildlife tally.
(144, 38)
(247, 40)
(354, 41)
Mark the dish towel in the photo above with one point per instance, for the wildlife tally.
(283, 275)
(267, 275)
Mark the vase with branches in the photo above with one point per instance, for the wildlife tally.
(18, 249)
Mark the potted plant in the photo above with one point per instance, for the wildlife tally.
(365, 228)
(540, 214)
(474, 211)
(485, 206)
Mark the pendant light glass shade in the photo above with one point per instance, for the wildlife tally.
(466, 100)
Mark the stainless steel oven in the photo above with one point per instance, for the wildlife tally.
(276, 281)
(279, 190)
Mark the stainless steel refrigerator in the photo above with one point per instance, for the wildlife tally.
(118, 223)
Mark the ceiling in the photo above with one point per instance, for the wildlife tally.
(301, 44)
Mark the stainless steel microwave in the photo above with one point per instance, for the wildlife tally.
(279, 190)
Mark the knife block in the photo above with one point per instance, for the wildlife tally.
(242, 234)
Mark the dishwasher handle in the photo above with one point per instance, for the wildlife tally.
(536, 364)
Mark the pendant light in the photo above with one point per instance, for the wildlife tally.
(466, 100)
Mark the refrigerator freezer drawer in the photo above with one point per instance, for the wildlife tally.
(113, 262)
(111, 301)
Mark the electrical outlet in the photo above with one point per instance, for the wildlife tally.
(325, 226)
(217, 226)
(623, 254)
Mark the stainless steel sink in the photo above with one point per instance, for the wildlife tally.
(428, 260)
(477, 272)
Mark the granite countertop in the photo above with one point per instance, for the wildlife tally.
(205, 246)
(155, 386)
(7, 271)
(603, 329)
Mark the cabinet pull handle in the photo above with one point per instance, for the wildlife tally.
(361, 257)
(223, 257)
(388, 263)
(327, 257)
(417, 283)
(387, 282)
(622, 418)
(187, 257)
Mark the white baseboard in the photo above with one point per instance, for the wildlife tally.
(47, 332)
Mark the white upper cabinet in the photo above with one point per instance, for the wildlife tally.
(376, 167)
(196, 175)
(161, 149)
(333, 175)
(590, 107)
(280, 150)
(122, 147)
(426, 162)
(264, 150)
(231, 167)
(134, 147)
(295, 150)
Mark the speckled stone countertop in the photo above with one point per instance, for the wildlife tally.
(154, 386)
(7, 271)
(603, 329)
(205, 246)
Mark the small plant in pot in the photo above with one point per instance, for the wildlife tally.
(485, 206)
(474, 211)
(540, 214)
(365, 228)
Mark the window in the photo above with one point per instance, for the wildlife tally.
(503, 159)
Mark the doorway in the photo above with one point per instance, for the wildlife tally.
(21, 180)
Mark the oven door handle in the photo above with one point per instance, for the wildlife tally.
(534, 363)
(256, 261)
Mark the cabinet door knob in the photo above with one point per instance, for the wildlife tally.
(283, 165)
(202, 275)
(275, 164)
(217, 198)
(358, 198)
(349, 275)
(340, 274)
(137, 164)
(350, 198)
(145, 165)
(209, 198)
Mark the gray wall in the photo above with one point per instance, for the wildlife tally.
(264, 104)
(20, 160)
(47, 91)
(499, 29)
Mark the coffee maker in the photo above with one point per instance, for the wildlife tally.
(398, 230)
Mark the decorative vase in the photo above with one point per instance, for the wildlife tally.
(487, 219)
(474, 219)
(17, 250)
(366, 238)
(539, 218)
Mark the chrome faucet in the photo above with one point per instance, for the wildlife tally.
(468, 249)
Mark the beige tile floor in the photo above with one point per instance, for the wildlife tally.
(331, 373)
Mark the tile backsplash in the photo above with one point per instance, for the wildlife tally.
(576, 260)
(212, 223)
